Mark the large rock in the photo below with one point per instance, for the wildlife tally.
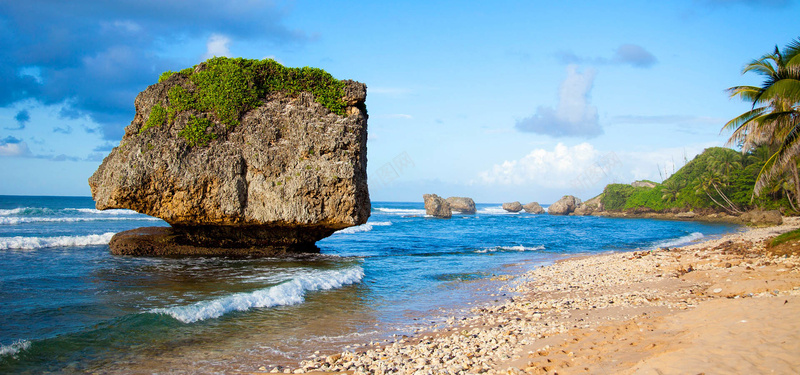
(762, 218)
(644, 184)
(592, 206)
(436, 206)
(533, 208)
(512, 206)
(288, 174)
(462, 204)
(564, 206)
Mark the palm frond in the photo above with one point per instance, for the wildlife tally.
(788, 152)
(785, 89)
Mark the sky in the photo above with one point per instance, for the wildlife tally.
(499, 101)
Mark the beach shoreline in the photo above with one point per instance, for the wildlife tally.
(720, 306)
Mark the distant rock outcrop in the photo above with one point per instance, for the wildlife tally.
(255, 171)
(436, 206)
(644, 184)
(512, 207)
(592, 206)
(462, 204)
(758, 217)
(533, 208)
(564, 206)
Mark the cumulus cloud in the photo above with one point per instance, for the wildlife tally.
(545, 168)
(574, 116)
(11, 146)
(217, 45)
(94, 57)
(626, 54)
(582, 167)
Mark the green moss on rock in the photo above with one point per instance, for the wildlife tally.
(228, 88)
(158, 115)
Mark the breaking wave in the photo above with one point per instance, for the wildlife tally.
(30, 243)
(510, 248)
(290, 292)
(13, 349)
(680, 241)
(364, 227)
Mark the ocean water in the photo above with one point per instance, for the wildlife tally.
(68, 306)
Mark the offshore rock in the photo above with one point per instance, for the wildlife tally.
(290, 173)
(533, 208)
(462, 204)
(564, 206)
(512, 207)
(436, 206)
(592, 206)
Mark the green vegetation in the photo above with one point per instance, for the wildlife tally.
(157, 117)
(196, 132)
(786, 237)
(227, 88)
(774, 120)
(719, 178)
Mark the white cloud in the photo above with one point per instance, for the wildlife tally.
(217, 45)
(544, 168)
(574, 115)
(11, 146)
(582, 167)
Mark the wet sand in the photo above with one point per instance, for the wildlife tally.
(717, 307)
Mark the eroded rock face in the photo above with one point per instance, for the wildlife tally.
(564, 206)
(436, 206)
(533, 208)
(512, 206)
(462, 204)
(289, 174)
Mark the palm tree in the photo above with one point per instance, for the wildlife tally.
(774, 119)
(671, 190)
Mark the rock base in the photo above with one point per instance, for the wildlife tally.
(167, 241)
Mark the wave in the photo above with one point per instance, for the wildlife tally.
(27, 211)
(26, 220)
(103, 212)
(510, 248)
(497, 210)
(364, 227)
(30, 243)
(401, 211)
(14, 348)
(680, 241)
(290, 292)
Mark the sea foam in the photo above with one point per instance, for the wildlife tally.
(364, 227)
(401, 211)
(680, 241)
(290, 292)
(30, 243)
(11, 220)
(510, 248)
(14, 348)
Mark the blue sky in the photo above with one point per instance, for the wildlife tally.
(500, 101)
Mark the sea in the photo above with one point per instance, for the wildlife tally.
(68, 306)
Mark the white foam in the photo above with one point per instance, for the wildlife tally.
(14, 348)
(680, 241)
(497, 210)
(30, 243)
(510, 248)
(25, 211)
(290, 292)
(103, 212)
(401, 211)
(364, 227)
(25, 220)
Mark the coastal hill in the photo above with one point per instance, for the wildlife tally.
(240, 157)
(718, 182)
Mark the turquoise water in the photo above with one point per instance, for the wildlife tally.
(67, 305)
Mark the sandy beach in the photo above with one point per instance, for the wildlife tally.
(723, 306)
